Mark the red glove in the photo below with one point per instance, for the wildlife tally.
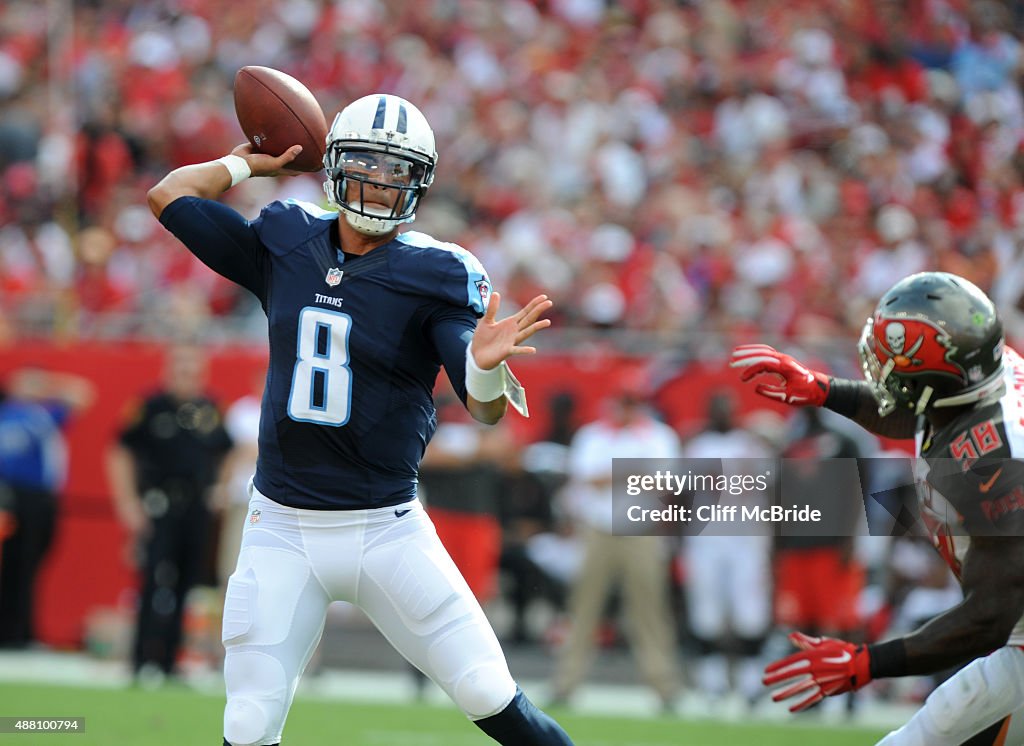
(798, 386)
(824, 666)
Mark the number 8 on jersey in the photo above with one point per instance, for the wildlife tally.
(321, 380)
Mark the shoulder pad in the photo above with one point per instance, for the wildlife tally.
(445, 271)
(989, 496)
(978, 434)
(977, 472)
(283, 226)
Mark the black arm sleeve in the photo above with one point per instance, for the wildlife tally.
(853, 399)
(222, 239)
(993, 584)
(451, 332)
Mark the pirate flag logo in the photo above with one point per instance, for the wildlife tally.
(931, 349)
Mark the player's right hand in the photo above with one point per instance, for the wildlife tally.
(823, 667)
(797, 384)
(261, 164)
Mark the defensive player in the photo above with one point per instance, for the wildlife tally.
(937, 371)
(361, 318)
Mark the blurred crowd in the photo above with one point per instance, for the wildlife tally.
(659, 166)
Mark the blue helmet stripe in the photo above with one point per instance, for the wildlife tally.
(402, 126)
(378, 120)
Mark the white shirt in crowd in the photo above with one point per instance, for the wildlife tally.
(590, 458)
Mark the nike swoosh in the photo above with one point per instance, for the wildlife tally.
(987, 485)
(400, 513)
(839, 659)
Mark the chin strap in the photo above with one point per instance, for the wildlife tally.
(992, 387)
(369, 226)
(923, 399)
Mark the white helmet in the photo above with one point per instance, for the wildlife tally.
(379, 142)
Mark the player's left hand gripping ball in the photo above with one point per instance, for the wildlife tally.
(823, 667)
(797, 383)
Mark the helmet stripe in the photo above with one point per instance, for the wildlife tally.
(378, 120)
(402, 127)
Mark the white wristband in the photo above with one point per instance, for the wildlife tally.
(237, 167)
(483, 385)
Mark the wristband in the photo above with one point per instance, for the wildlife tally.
(844, 396)
(887, 659)
(483, 385)
(237, 167)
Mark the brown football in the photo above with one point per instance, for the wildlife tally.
(276, 111)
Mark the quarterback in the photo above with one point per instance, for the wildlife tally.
(361, 319)
(937, 370)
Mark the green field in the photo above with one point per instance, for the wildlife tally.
(172, 717)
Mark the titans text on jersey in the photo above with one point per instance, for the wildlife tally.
(356, 344)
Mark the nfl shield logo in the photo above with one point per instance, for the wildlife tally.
(333, 276)
(254, 517)
(484, 289)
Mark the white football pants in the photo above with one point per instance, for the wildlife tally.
(980, 695)
(388, 562)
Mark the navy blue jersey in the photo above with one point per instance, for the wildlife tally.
(355, 346)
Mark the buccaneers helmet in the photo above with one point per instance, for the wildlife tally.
(935, 340)
(379, 142)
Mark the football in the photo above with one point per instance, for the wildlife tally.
(276, 111)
